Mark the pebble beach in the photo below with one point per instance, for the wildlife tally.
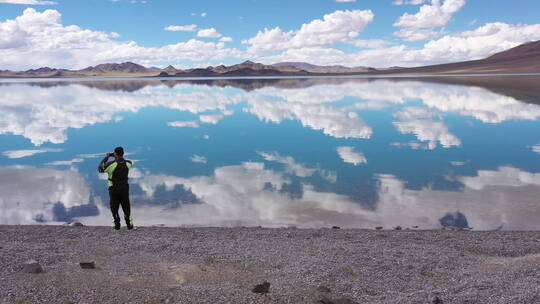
(223, 265)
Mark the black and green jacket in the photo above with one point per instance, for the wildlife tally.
(117, 171)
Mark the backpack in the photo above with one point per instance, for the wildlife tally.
(120, 174)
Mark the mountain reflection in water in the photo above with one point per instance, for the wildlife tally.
(276, 152)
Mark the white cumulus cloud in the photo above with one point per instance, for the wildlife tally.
(429, 16)
(335, 27)
(469, 45)
(42, 37)
(370, 43)
(420, 26)
(182, 28)
(209, 33)
(415, 34)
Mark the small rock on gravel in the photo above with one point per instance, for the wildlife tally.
(435, 299)
(336, 227)
(379, 228)
(397, 228)
(322, 299)
(74, 224)
(87, 265)
(263, 288)
(323, 288)
(32, 267)
(344, 301)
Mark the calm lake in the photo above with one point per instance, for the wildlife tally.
(355, 153)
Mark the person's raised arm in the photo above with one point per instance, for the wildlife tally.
(102, 164)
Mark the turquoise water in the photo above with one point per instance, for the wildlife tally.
(276, 152)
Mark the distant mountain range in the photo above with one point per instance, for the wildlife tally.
(323, 69)
(524, 58)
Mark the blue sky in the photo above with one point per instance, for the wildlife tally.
(379, 33)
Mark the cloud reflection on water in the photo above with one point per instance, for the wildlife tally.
(348, 155)
(76, 106)
(239, 195)
(29, 193)
(429, 130)
(333, 121)
(27, 153)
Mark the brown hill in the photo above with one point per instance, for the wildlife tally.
(526, 50)
(312, 68)
(41, 70)
(191, 73)
(247, 68)
(126, 67)
(238, 71)
(524, 58)
(170, 69)
(250, 66)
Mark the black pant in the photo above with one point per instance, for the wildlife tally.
(119, 195)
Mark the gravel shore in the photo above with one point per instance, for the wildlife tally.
(222, 265)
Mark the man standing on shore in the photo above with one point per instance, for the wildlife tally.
(117, 171)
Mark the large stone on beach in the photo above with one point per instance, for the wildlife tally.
(32, 267)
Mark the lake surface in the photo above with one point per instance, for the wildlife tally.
(278, 152)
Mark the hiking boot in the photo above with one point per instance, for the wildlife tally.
(129, 222)
(116, 224)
